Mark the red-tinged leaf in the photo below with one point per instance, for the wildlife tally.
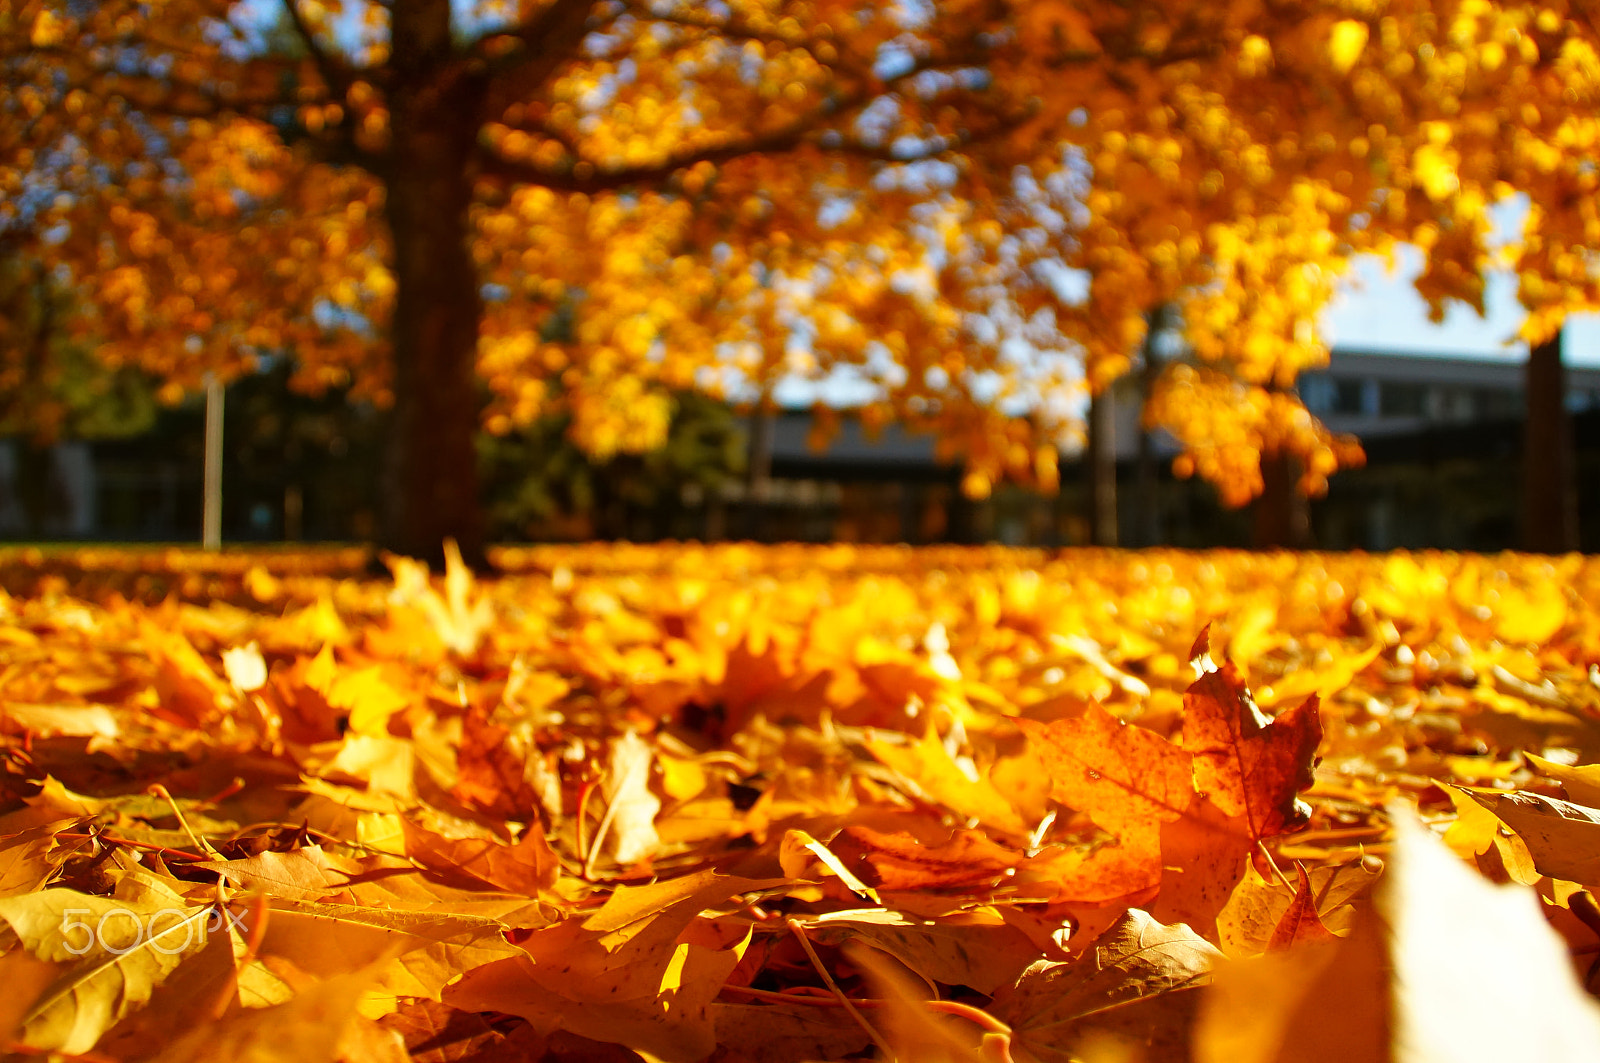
(526, 867)
(1301, 924)
(1124, 873)
(304, 874)
(1130, 781)
(1203, 856)
(438, 1033)
(1134, 985)
(1251, 765)
(631, 973)
(1125, 778)
(968, 860)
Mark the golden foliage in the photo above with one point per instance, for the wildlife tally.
(781, 189)
(660, 798)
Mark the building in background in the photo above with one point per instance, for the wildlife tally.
(1442, 435)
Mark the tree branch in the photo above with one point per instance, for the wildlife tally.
(335, 74)
(584, 176)
(536, 51)
(576, 174)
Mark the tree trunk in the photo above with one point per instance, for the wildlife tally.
(432, 478)
(1549, 487)
(1282, 517)
(1102, 458)
(1147, 482)
(758, 474)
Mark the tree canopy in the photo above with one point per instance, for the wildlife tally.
(484, 213)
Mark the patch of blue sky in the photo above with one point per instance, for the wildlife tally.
(1378, 309)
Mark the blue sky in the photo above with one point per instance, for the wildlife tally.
(1380, 310)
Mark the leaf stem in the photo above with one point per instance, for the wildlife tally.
(103, 836)
(809, 999)
(1274, 865)
(982, 1019)
(816, 962)
(199, 842)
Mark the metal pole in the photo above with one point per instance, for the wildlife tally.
(211, 525)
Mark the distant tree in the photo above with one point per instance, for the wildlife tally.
(52, 387)
(536, 478)
(51, 384)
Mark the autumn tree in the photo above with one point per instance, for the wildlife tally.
(720, 197)
(410, 193)
(1246, 158)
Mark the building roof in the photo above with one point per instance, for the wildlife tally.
(1450, 390)
(1430, 368)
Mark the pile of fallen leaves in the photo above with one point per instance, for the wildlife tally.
(804, 803)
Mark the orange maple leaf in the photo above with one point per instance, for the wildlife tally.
(1249, 764)
(1183, 815)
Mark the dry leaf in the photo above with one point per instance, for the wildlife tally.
(1135, 984)
(114, 951)
(1409, 985)
(983, 953)
(631, 807)
(307, 1029)
(1250, 765)
(1300, 923)
(1564, 838)
(1582, 782)
(624, 975)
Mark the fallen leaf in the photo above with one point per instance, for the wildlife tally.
(1409, 985)
(783, 1033)
(1300, 923)
(623, 975)
(1250, 765)
(245, 667)
(25, 857)
(1563, 838)
(1477, 834)
(631, 807)
(1203, 856)
(26, 978)
(85, 721)
(928, 764)
(798, 848)
(1127, 779)
(1135, 985)
(114, 952)
(527, 867)
(898, 861)
(903, 1023)
(983, 953)
(203, 988)
(415, 954)
(304, 874)
(306, 1029)
(1582, 781)
(437, 1033)
(1247, 922)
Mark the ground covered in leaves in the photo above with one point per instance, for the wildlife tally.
(800, 803)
